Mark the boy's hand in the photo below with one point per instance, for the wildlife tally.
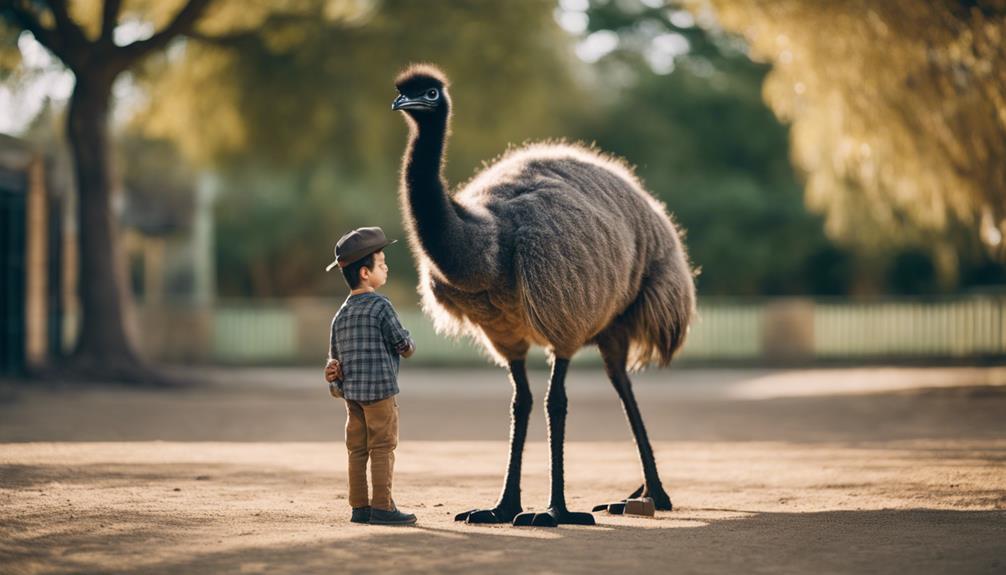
(406, 348)
(333, 370)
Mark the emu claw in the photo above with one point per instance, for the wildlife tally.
(616, 508)
(487, 516)
(553, 518)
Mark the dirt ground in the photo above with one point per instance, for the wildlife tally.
(811, 471)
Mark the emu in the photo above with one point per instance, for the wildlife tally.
(555, 245)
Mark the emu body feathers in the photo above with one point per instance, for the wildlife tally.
(581, 249)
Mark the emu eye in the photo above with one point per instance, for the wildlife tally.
(432, 94)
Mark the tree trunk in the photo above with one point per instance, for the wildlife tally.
(104, 349)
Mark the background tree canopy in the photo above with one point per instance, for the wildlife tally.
(694, 124)
(898, 109)
(299, 120)
(894, 120)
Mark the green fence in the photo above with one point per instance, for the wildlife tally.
(254, 334)
(962, 328)
(726, 330)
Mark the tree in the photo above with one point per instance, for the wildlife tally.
(691, 112)
(104, 348)
(306, 143)
(694, 124)
(898, 109)
(254, 90)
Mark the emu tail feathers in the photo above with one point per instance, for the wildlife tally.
(657, 321)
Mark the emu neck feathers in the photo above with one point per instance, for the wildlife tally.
(453, 239)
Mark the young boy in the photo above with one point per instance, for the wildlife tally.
(366, 342)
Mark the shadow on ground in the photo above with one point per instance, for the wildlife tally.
(474, 405)
(885, 541)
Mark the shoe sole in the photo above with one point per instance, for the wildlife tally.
(413, 522)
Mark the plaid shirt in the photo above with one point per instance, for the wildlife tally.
(365, 334)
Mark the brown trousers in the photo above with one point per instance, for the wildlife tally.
(371, 432)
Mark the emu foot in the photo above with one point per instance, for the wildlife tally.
(498, 514)
(553, 518)
(660, 500)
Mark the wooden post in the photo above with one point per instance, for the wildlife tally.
(37, 265)
(788, 330)
(153, 271)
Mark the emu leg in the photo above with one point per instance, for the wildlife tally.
(508, 505)
(614, 357)
(555, 409)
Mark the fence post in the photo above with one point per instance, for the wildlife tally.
(788, 330)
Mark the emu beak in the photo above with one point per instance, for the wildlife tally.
(404, 103)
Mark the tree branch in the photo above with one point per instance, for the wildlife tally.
(183, 22)
(28, 20)
(232, 40)
(68, 29)
(109, 19)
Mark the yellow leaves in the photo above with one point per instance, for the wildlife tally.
(197, 95)
(302, 91)
(350, 11)
(898, 108)
(229, 16)
(199, 101)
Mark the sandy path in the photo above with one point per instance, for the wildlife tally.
(839, 484)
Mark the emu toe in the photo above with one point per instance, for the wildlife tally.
(616, 508)
(643, 506)
(494, 515)
(661, 501)
(553, 518)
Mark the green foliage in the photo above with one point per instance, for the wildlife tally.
(290, 102)
(898, 110)
(10, 56)
(298, 118)
(704, 142)
(158, 185)
(289, 95)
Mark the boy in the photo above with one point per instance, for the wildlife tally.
(366, 342)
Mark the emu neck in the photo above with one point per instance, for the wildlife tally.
(424, 168)
(437, 219)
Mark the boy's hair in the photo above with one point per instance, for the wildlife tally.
(352, 271)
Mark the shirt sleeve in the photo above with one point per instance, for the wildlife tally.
(333, 351)
(391, 328)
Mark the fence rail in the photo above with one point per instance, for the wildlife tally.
(973, 327)
(777, 330)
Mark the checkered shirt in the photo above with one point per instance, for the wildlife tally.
(365, 334)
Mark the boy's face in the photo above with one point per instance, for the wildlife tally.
(378, 276)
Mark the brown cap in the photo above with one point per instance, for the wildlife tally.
(357, 245)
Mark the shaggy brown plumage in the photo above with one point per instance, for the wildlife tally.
(554, 244)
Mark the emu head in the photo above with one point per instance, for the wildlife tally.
(422, 93)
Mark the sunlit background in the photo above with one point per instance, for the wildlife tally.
(838, 167)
